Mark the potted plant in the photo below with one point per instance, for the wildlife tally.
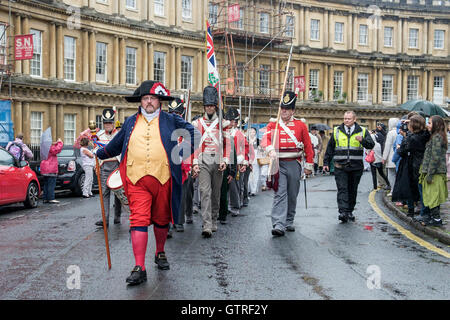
(344, 97)
(318, 97)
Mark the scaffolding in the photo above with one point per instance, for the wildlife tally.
(6, 54)
(251, 38)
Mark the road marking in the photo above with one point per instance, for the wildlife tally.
(403, 231)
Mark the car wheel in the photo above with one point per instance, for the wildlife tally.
(78, 191)
(32, 195)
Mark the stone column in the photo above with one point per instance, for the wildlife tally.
(307, 27)
(301, 23)
(278, 83)
(374, 84)
(59, 52)
(355, 32)
(85, 57)
(405, 39)
(144, 75)
(326, 29)
(350, 84)
(26, 122)
(399, 86)
(399, 36)
(25, 30)
(430, 84)
(177, 67)
(380, 86)
(52, 118)
(355, 85)
(307, 64)
(122, 61)
(116, 61)
(302, 73)
(199, 72)
(52, 49)
(349, 39)
(172, 67)
(85, 117)
(325, 82)
(405, 86)
(18, 112)
(205, 69)
(92, 56)
(425, 86)
(425, 37)
(92, 113)
(331, 83)
(60, 122)
(151, 62)
(18, 31)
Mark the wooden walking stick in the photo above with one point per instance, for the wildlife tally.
(97, 171)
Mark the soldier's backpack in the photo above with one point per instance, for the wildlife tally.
(16, 150)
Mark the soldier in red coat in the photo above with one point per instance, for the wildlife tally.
(291, 146)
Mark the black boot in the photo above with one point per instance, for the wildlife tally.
(343, 217)
(410, 212)
(350, 216)
(161, 261)
(137, 276)
(435, 218)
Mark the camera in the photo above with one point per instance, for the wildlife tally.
(404, 126)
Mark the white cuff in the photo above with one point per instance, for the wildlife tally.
(226, 160)
(309, 166)
(245, 163)
(194, 162)
(240, 159)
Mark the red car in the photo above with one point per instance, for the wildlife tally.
(18, 183)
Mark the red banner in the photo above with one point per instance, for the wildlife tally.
(234, 13)
(23, 47)
(299, 83)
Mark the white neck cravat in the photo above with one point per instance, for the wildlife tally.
(150, 116)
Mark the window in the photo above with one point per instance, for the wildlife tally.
(240, 23)
(69, 128)
(363, 34)
(264, 22)
(339, 32)
(187, 10)
(36, 61)
(159, 66)
(264, 80)
(313, 82)
(99, 122)
(159, 7)
(131, 4)
(35, 127)
(130, 65)
(438, 93)
(6, 159)
(439, 39)
(240, 75)
(387, 88)
(290, 22)
(3, 51)
(186, 72)
(413, 38)
(315, 29)
(337, 87)
(100, 69)
(413, 87)
(363, 87)
(213, 12)
(69, 58)
(388, 32)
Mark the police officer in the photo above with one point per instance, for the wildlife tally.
(346, 148)
(108, 166)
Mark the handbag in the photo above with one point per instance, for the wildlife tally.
(370, 157)
(263, 161)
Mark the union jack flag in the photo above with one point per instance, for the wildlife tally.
(213, 74)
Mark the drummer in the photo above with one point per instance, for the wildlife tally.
(107, 167)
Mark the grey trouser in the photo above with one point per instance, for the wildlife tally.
(285, 199)
(105, 170)
(391, 173)
(210, 183)
(88, 178)
(186, 200)
(244, 189)
(235, 193)
(196, 200)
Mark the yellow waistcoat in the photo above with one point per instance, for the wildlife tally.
(146, 154)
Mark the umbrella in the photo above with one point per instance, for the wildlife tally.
(321, 126)
(46, 143)
(427, 107)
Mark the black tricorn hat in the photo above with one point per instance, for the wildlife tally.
(210, 96)
(108, 115)
(289, 99)
(177, 106)
(150, 87)
(232, 114)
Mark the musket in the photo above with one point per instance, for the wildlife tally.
(97, 170)
(274, 138)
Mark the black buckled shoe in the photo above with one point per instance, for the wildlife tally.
(343, 217)
(290, 228)
(100, 223)
(161, 261)
(137, 276)
(277, 232)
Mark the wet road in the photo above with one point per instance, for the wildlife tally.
(43, 250)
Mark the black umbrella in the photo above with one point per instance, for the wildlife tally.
(427, 107)
(320, 126)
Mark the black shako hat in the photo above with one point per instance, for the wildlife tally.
(108, 115)
(210, 96)
(177, 106)
(232, 114)
(150, 87)
(288, 100)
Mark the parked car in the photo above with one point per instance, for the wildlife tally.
(18, 183)
(70, 171)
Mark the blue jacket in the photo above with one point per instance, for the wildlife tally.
(168, 123)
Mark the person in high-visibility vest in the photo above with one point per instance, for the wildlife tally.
(346, 148)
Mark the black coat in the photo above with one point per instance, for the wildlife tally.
(407, 179)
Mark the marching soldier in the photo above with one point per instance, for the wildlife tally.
(241, 150)
(206, 160)
(107, 166)
(346, 148)
(151, 175)
(292, 144)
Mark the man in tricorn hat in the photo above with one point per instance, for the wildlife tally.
(151, 170)
(293, 143)
(208, 162)
(107, 166)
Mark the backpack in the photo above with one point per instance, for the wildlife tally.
(16, 150)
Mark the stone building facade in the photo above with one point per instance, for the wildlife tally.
(90, 53)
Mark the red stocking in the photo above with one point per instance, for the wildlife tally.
(139, 241)
(160, 237)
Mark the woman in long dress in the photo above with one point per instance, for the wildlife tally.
(254, 183)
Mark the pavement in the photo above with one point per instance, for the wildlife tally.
(441, 233)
